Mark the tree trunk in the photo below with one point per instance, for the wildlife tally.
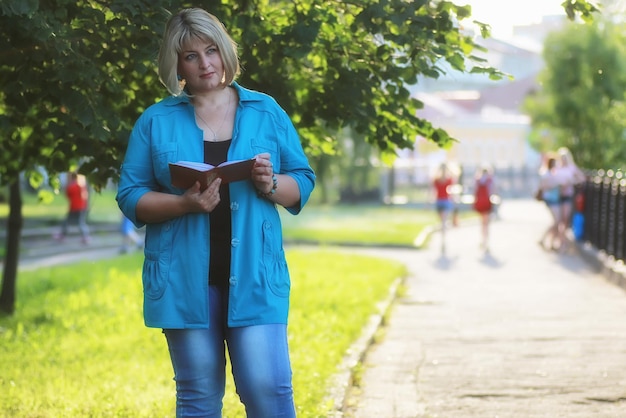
(11, 260)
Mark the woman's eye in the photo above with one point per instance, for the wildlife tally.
(190, 57)
(211, 50)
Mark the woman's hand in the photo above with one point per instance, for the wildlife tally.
(262, 173)
(155, 207)
(205, 201)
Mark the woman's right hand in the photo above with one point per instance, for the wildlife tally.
(155, 207)
(205, 201)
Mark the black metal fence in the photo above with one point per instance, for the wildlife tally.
(605, 211)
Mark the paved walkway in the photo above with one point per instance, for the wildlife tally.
(39, 249)
(517, 333)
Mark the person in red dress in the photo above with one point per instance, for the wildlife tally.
(482, 202)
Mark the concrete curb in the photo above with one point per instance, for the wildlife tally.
(344, 379)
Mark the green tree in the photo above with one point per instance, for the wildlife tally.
(73, 77)
(582, 104)
(75, 74)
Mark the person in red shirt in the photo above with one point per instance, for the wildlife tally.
(443, 201)
(77, 196)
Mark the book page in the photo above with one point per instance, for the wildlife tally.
(194, 164)
(235, 170)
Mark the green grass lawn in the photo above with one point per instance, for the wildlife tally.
(77, 346)
(358, 224)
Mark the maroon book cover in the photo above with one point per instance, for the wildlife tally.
(185, 173)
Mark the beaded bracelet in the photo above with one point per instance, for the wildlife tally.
(273, 190)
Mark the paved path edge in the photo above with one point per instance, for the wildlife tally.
(344, 379)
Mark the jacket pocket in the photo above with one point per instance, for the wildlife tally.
(275, 263)
(155, 273)
(278, 276)
(167, 153)
(271, 147)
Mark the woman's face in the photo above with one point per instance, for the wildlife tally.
(200, 64)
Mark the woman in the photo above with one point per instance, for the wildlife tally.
(550, 184)
(572, 176)
(482, 202)
(215, 272)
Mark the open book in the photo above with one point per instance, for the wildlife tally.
(185, 173)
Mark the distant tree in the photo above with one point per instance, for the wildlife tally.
(582, 104)
(75, 74)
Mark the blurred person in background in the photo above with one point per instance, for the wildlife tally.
(483, 190)
(442, 186)
(572, 177)
(78, 199)
(550, 183)
(130, 238)
(456, 191)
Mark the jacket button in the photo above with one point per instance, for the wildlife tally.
(232, 280)
(234, 206)
(234, 242)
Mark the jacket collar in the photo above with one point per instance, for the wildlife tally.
(245, 95)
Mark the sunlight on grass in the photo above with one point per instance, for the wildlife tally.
(77, 345)
(373, 225)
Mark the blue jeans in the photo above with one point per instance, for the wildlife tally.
(78, 217)
(260, 364)
(443, 205)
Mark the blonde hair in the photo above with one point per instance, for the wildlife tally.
(566, 156)
(191, 24)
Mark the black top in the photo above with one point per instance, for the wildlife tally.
(219, 220)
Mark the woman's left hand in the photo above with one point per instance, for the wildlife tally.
(262, 173)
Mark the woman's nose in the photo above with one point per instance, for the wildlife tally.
(204, 61)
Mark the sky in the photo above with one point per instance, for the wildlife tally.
(503, 14)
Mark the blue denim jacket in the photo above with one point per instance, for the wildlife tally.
(176, 265)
